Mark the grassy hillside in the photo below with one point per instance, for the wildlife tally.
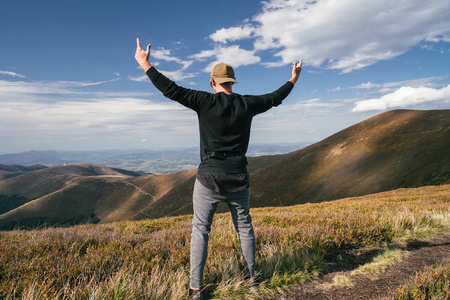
(11, 168)
(37, 183)
(69, 194)
(150, 259)
(400, 148)
(177, 199)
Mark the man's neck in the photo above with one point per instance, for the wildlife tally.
(227, 89)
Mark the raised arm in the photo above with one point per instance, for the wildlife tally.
(296, 69)
(187, 97)
(142, 56)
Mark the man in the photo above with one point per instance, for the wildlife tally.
(224, 124)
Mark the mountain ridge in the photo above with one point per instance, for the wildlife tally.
(400, 148)
(105, 194)
(393, 149)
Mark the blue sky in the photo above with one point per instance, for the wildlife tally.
(69, 81)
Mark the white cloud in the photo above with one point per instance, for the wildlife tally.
(342, 34)
(165, 54)
(120, 94)
(95, 120)
(232, 34)
(334, 90)
(309, 120)
(64, 115)
(204, 55)
(177, 75)
(438, 39)
(389, 87)
(13, 74)
(286, 115)
(46, 87)
(233, 55)
(404, 96)
(142, 78)
(173, 75)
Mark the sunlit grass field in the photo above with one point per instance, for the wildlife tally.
(150, 259)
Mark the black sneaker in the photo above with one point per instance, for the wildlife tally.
(195, 294)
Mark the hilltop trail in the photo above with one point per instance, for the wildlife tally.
(417, 256)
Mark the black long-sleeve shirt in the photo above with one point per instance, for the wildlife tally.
(224, 123)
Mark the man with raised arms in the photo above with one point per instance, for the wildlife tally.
(224, 122)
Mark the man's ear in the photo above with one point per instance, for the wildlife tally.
(212, 83)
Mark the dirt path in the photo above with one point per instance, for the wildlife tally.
(418, 255)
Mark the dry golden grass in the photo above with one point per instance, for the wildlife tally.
(338, 281)
(432, 283)
(150, 259)
(379, 263)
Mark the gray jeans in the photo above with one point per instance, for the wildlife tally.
(205, 204)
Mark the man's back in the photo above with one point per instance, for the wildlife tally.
(224, 119)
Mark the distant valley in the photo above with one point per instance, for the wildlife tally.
(161, 161)
(400, 148)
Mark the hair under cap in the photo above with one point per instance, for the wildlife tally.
(222, 73)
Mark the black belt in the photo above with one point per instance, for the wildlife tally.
(220, 155)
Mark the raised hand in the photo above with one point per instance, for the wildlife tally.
(142, 56)
(296, 69)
